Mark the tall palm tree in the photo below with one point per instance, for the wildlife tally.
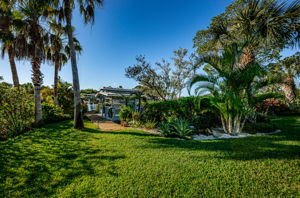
(7, 38)
(32, 39)
(64, 10)
(285, 71)
(230, 86)
(58, 52)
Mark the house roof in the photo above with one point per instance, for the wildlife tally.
(110, 91)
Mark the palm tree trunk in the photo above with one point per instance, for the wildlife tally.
(246, 58)
(289, 90)
(37, 78)
(78, 122)
(13, 67)
(56, 67)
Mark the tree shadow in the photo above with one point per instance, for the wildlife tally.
(125, 132)
(45, 159)
(278, 146)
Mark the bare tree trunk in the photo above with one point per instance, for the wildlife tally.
(289, 90)
(55, 89)
(37, 79)
(78, 122)
(13, 67)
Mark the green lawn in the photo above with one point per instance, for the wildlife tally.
(58, 161)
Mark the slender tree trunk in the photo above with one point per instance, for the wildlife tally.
(229, 123)
(55, 89)
(289, 90)
(78, 122)
(13, 67)
(224, 124)
(37, 79)
(139, 107)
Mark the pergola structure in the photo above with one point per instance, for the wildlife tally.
(113, 99)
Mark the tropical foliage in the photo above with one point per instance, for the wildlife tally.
(231, 86)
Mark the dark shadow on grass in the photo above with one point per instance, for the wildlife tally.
(145, 134)
(48, 158)
(275, 146)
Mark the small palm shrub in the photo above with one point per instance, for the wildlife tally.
(125, 113)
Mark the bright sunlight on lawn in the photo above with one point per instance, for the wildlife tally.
(57, 161)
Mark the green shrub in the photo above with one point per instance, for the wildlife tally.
(198, 111)
(259, 128)
(136, 116)
(52, 113)
(182, 127)
(150, 125)
(16, 111)
(136, 124)
(166, 129)
(125, 113)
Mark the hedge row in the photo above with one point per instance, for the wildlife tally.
(197, 110)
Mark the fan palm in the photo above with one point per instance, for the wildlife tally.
(32, 39)
(229, 85)
(63, 10)
(266, 25)
(285, 71)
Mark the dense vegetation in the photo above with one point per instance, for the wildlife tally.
(58, 161)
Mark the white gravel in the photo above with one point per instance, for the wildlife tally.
(216, 136)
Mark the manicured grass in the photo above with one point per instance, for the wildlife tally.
(58, 161)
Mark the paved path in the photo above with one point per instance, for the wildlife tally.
(103, 124)
(107, 125)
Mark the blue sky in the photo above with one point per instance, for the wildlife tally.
(124, 29)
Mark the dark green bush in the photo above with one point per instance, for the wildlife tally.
(166, 129)
(197, 110)
(53, 114)
(16, 111)
(259, 128)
